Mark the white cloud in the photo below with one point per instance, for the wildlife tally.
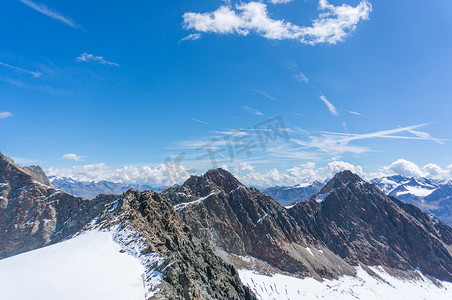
(301, 77)
(405, 168)
(85, 57)
(161, 175)
(72, 156)
(252, 110)
(50, 13)
(333, 25)
(191, 37)
(330, 106)
(434, 171)
(33, 73)
(5, 114)
(409, 169)
(245, 167)
(339, 166)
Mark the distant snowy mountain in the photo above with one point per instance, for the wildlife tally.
(288, 195)
(430, 195)
(90, 189)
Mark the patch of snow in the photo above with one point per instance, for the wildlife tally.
(290, 206)
(132, 243)
(261, 219)
(363, 286)
(320, 197)
(300, 185)
(87, 267)
(181, 206)
(416, 191)
(309, 250)
(237, 188)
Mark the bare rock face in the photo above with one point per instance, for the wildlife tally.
(357, 221)
(190, 268)
(348, 220)
(240, 220)
(33, 214)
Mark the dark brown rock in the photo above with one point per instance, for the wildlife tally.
(357, 221)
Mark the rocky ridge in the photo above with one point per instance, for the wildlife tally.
(177, 264)
(349, 222)
(33, 214)
(242, 221)
(361, 224)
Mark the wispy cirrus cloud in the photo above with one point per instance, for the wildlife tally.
(33, 73)
(41, 8)
(191, 37)
(263, 94)
(355, 113)
(301, 77)
(252, 110)
(86, 57)
(340, 143)
(333, 24)
(199, 121)
(329, 105)
(5, 114)
(280, 1)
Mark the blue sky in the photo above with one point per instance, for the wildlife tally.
(103, 89)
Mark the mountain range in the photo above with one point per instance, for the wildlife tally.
(207, 237)
(432, 196)
(90, 189)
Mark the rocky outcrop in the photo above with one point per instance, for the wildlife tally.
(33, 214)
(357, 221)
(190, 268)
(239, 220)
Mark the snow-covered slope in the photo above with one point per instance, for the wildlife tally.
(363, 286)
(90, 266)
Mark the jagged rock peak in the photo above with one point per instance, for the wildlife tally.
(222, 178)
(6, 159)
(7, 165)
(214, 180)
(341, 180)
(346, 177)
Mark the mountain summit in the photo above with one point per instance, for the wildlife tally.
(362, 225)
(350, 222)
(239, 221)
